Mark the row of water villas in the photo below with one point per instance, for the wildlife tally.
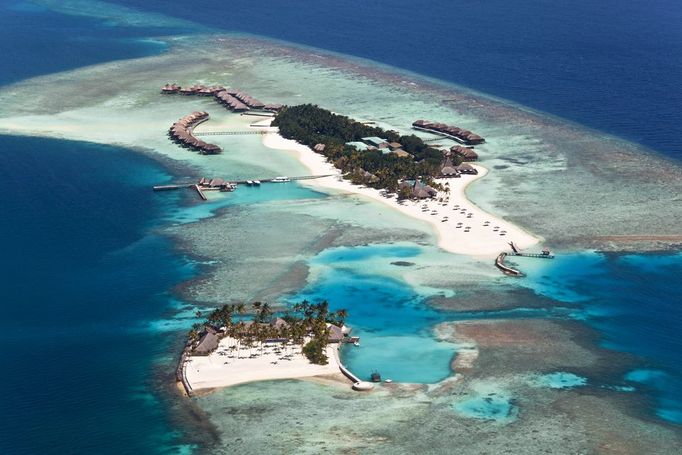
(233, 99)
(181, 133)
(454, 132)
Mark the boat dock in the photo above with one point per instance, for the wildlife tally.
(217, 184)
(499, 261)
(230, 133)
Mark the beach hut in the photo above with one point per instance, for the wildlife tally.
(448, 170)
(336, 334)
(466, 168)
(208, 341)
(319, 148)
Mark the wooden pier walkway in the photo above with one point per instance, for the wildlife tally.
(201, 194)
(441, 134)
(499, 263)
(201, 188)
(229, 133)
(533, 255)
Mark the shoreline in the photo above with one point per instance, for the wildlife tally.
(481, 241)
(218, 370)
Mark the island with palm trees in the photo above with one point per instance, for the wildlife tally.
(231, 348)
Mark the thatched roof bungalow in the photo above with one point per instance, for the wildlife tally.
(419, 189)
(466, 153)
(336, 334)
(170, 88)
(455, 132)
(208, 341)
(466, 168)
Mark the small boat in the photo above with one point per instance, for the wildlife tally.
(375, 376)
(281, 180)
(256, 182)
(249, 182)
(388, 381)
(357, 343)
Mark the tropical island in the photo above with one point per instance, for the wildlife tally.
(228, 348)
(391, 161)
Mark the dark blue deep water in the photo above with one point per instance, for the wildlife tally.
(83, 274)
(82, 278)
(613, 65)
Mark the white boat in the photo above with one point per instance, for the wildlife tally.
(357, 343)
(281, 180)
(388, 381)
(256, 182)
(249, 182)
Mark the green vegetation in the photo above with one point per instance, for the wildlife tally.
(312, 125)
(305, 321)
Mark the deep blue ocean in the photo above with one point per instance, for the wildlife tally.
(613, 65)
(83, 273)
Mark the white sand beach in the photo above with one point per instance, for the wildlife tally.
(461, 227)
(222, 368)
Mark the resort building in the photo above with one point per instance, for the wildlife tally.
(360, 146)
(453, 132)
(375, 142)
(467, 154)
(181, 133)
(449, 169)
(466, 168)
(208, 341)
(419, 190)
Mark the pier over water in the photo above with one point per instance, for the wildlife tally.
(499, 261)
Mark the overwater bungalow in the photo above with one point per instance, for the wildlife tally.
(466, 153)
(181, 133)
(170, 88)
(454, 132)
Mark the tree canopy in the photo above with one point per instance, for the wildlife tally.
(312, 125)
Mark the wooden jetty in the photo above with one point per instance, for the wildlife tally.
(218, 184)
(499, 263)
(546, 254)
(171, 187)
(229, 133)
(201, 194)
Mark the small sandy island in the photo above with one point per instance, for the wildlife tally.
(486, 235)
(228, 365)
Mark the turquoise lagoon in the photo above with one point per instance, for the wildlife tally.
(389, 316)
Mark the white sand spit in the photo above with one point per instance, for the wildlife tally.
(479, 234)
